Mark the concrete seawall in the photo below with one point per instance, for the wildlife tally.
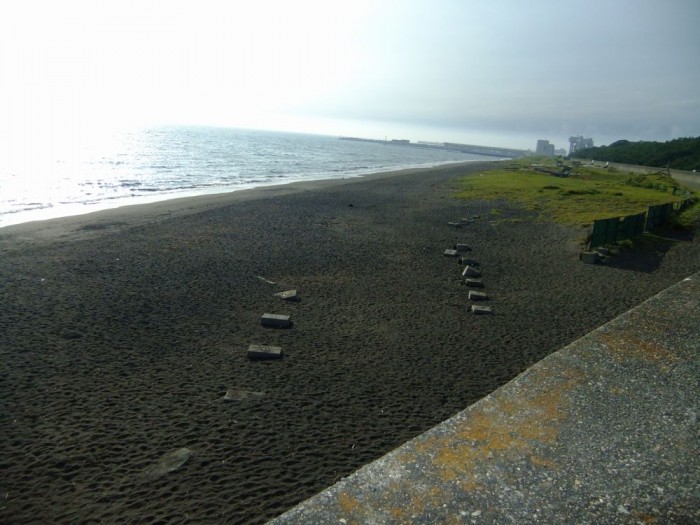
(603, 431)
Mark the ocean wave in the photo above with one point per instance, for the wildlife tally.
(160, 163)
(27, 207)
(353, 168)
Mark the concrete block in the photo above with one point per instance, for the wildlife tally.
(289, 295)
(470, 271)
(474, 283)
(462, 248)
(275, 321)
(589, 257)
(481, 310)
(477, 296)
(236, 394)
(260, 352)
(468, 261)
(168, 463)
(450, 253)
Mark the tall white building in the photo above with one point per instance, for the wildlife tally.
(578, 142)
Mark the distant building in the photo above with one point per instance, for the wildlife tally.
(544, 148)
(577, 143)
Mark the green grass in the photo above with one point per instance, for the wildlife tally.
(689, 219)
(585, 195)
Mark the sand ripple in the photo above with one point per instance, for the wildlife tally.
(120, 347)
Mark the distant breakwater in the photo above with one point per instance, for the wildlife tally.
(450, 146)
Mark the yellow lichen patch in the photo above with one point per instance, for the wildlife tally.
(348, 504)
(454, 520)
(616, 390)
(468, 485)
(425, 445)
(508, 408)
(457, 461)
(435, 495)
(510, 429)
(541, 462)
(449, 475)
(645, 518)
(419, 501)
(398, 514)
(549, 406)
(480, 427)
(624, 344)
(417, 504)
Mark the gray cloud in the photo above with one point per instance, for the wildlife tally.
(496, 70)
(620, 69)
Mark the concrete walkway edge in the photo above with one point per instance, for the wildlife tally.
(603, 431)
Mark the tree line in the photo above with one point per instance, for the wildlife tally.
(679, 154)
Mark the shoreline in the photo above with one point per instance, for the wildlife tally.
(122, 332)
(249, 191)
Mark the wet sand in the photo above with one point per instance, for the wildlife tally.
(122, 331)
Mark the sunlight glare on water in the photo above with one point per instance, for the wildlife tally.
(47, 175)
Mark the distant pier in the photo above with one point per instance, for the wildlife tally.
(450, 146)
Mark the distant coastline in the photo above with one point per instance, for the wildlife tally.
(489, 151)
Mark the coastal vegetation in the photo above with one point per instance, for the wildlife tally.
(586, 193)
(679, 154)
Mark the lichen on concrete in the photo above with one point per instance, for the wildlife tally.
(603, 431)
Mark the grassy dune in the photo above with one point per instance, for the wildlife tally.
(588, 193)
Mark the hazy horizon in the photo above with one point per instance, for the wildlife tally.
(502, 73)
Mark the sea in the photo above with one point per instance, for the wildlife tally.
(152, 164)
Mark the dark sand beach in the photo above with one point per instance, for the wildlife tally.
(122, 331)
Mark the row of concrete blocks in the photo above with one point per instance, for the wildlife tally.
(456, 250)
(470, 274)
(264, 352)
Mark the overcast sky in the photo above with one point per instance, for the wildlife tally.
(493, 72)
